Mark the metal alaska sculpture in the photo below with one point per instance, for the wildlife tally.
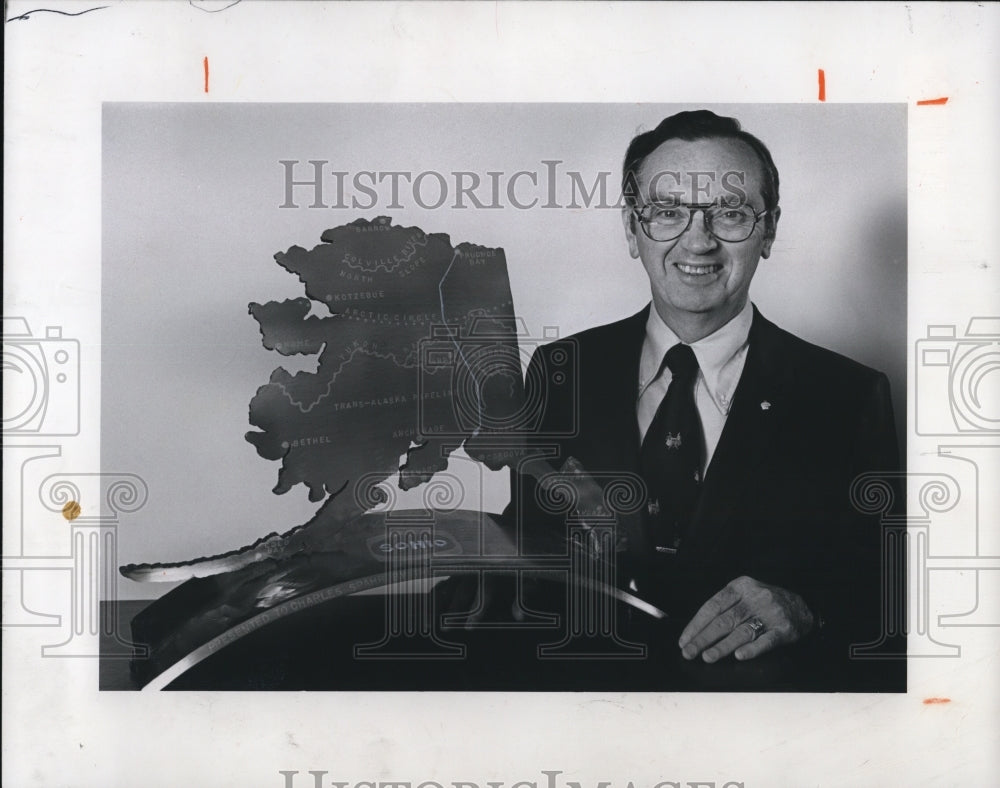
(417, 354)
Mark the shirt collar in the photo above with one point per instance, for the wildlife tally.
(714, 352)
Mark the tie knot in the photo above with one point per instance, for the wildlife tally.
(681, 361)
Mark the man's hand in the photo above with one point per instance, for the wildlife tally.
(725, 623)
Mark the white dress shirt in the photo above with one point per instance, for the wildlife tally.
(721, 357)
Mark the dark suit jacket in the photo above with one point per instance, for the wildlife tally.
(776, 506)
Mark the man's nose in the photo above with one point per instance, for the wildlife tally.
(697, 238)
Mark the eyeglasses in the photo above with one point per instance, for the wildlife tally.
(664, 222)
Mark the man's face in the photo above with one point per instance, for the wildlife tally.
(697, 279)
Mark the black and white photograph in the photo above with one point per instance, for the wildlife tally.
(464, 412)
(512, 394)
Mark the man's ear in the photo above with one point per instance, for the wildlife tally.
(772, 229)
(630, 223)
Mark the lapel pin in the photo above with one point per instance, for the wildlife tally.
(765, 405)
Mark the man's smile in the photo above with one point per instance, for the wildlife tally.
(700, 270)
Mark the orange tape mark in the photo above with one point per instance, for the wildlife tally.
(206, 73)
(929, 701)
(822, 85)
(927, 102)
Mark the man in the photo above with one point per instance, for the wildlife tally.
(748, 539)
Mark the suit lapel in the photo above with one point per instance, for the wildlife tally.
(609, 421)
(746, 443)
(617, 369)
